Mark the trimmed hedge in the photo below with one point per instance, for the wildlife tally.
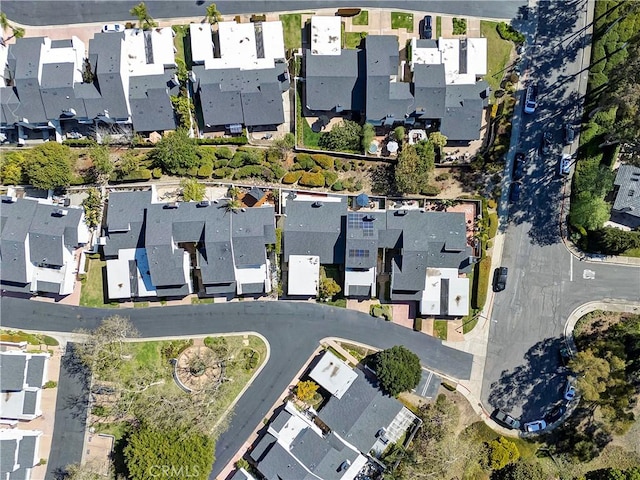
(305, 161)
(156, 173)
(205, 171)
(249, 171)
(224, 152)
(507, 32)
(79, 142)
(222, 172)
(481, 278)
(324, 161)
(337, 187)
(291, 177)
(241, 140)
(309, 179)
(142, 174)
(431, 190)
(493, 224)
(330, 178)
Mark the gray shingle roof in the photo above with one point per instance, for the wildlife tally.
(315, 230)
(361, 412)
(126, 213)
(429, 90)
(335, 80)
(16, 220)
(12, 367)
(320, 455)
(280, 420)
(27, 451)
(8, 449)
(278, 464)
(628, 196)
(261, 448)
(57, 90)
(29, 403)
(463, 114)
(149, 97)
(26, 55)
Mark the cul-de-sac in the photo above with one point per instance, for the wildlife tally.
(320, 240)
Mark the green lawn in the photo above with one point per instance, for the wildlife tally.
(92, 293)
(201, 301)
(633, 252)
(440, 329)
(17, 336)
(292, 26)
(498, 52)
(353, 39)
(306, 136)
(402, 20)
(361, 19)
(438, 27)
(178, 41)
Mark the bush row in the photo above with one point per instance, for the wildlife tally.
(507, 32)
(481, 278)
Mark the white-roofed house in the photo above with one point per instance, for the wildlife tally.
(202, 46)
(333, 374)
(304, 275)
(445, 293)
(326, 35)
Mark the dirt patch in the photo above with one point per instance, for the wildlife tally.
(595, 323)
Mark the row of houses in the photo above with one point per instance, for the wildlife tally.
(343, 440)
(210, 248)
(23, 377)
(238, 78)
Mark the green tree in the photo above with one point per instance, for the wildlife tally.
(398, 369)
(438, 139)
(501, 452)
(149, 450)
(328, 288)
(520, 471)
(345, 136)
(11, 164)
(593, 374)
(47, 166)
(588, 211)
(102, 163)
(306, 391)
(176, 152)
(192, 190)
(368, 134)
(92, 207)
(184, 108)
(129, 162)
(614, 241)
(80, 472)
(213, 16)
(145, 21)
(415, 164)
(17, 32)
(398, 134)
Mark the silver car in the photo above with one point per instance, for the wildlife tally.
(536, 426)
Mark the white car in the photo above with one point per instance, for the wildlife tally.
(536, 426)
(569, 392)
(565, 164)
(113, 27)
(531, 99)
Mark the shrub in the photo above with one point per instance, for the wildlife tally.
(50, 384)
(507, 32)
(205, 171)
(309, 179)
(192, 171)
(337, 163)
(278, 171)
(241, 140)
(305, 161)
(249, 171)
(325, 161)
(316, 169)
(481, 282)
(358, 186)
(207, 155)
(398, 369)
(375, 311)
(431, 190)
(291, 177)
(337, 186)
(224, 152)
(156, 173)
(443, 176)
(141, 174)
(222, 172)
(459, 26)
(79, 142)
(221, 163)
(330, 178)
(417, 325)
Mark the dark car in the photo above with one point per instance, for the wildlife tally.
(569, 134)
(500, 279)
(547, 142)
(514, 194)
(518, 166)
(427, 31)
(506, 420)
(555, 414)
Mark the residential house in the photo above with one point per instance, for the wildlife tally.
(38, 243)
(52, 88)
(334, 76)
(313, 236)
(23, 376)
(294, 447)
(19, 453)
(626, 207)
(333, 374)
(240, 78)
(174, 249)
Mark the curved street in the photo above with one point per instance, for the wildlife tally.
(293, 330)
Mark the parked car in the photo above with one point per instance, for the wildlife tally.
(500, 279)
(531, 99)
(565, 356)
(506, 420)
(514, 194)
(113, 27)
(535, 426)
(569, 134)
(427, 31)
(547, 142)
(518, 166)
(565, 164)
(555, 414)
(569, 391)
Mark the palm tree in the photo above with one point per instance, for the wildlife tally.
(213, 15)
(233, 192)
(145, 21)
(231, 206)
(17, 32)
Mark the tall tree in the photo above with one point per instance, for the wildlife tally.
(176, 152)
(415, 164)
(192, 190)
(47, 166)
(213, 15)
(145, 21)
(588, 211)
(17, 32)
(398, 369)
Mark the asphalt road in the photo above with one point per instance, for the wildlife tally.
(523, 373)
(65, 12)
(71, 416)
(292, 329)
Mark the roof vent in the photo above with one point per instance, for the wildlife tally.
(59, 212)
(368, 218)
(171, 205)
(401, 213)
(203, 203)
(344, 466)
(216, 202)
(317, 204)
(632, 193)
(9, 199)
(243, 209)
